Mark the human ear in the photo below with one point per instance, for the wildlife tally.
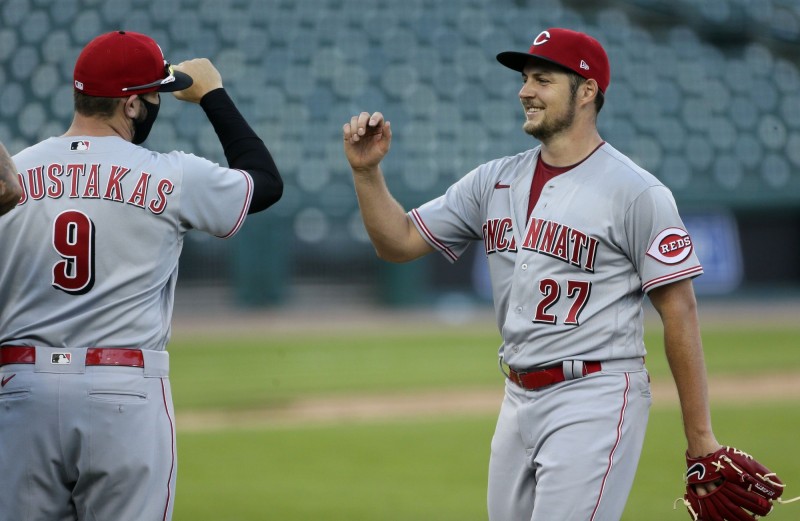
(130, 106)
(589, 90)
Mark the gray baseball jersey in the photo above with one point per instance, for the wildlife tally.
(90, 255)
(568, 285)
(88, 267)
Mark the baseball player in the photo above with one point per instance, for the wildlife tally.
(576, 234)
(87, 277)
(10, 191)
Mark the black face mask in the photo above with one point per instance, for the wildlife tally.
(141, 129)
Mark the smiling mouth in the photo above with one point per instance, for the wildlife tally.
(531, 111)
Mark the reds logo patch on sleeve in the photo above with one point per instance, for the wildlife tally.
(671, 246)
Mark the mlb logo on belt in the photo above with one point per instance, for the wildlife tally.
(61, 358)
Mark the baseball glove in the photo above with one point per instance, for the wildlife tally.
(744, 489)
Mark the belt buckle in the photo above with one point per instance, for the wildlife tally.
(519, 375)
(511, 374)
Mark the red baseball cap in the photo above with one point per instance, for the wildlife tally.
(122, 63)
(572, 50)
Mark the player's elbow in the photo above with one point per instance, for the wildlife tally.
(394, 256)
(10, 194)
(266, 192)
(277, 191)
(397, 243)
(396, 252)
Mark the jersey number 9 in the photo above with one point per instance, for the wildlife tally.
(73, 239)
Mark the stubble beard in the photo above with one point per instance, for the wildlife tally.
(547, 129)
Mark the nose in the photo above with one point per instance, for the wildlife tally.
(527, 90)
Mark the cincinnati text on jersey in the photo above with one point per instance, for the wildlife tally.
(91, 181)
(547, 237)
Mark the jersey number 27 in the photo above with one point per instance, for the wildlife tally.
(578, 292)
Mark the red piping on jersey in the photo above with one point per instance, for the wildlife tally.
(616, 443)
(431, 238)
(697, 270)
(245, 207)
(172, 448)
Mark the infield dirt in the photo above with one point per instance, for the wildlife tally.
(323, 410)
(456, 402)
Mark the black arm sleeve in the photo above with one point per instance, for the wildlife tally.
(243, 149)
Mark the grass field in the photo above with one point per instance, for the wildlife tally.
(427, 468)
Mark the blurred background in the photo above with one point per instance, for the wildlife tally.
(703, 94)
(341, 409)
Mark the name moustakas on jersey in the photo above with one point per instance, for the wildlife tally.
(93, 181)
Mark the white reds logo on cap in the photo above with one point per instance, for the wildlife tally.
(543, 38)
(671, 246)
